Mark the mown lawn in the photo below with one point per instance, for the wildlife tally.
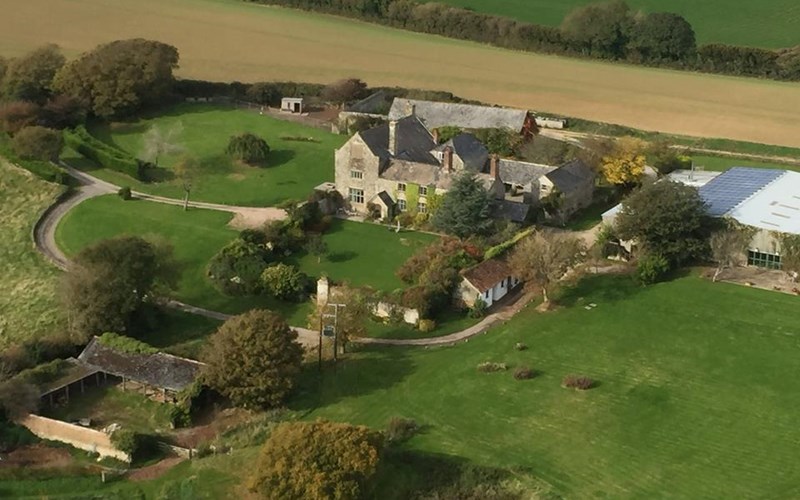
(29, 301)
(692, 401)
(293, 169)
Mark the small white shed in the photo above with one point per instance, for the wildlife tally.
(491, 280)
(292, 104)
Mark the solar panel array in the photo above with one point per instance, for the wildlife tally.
(728, 190)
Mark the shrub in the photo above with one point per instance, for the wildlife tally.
(426, 325)
(125, 440)
(38, 143)
(520, 346)
(237, 268)
(179, 416)
(248, 148)
(406, 219)
(490, 366)
(651, 268)
(523, 373)
(401, 429)
(125, 344)
(478, 309)
(285, 282)
(125, 193)
(106, 155)
(579, 382)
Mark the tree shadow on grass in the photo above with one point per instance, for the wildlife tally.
(599, 289)
(356, 374)
(278, 157)
(343, 256)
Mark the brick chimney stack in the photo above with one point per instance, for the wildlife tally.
(447, 161)
(494, 171)
(393, 137)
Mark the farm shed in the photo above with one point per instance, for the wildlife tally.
(491, 280)
(292, 104)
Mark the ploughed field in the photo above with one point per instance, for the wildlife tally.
(233, 40)
(766, 23)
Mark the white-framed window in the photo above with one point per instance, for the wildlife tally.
(356, 195)
(422, 208)
(356, 174)
(401, 186)
(401, 205)
(423, 190)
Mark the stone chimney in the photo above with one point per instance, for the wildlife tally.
(323, 289)
(435, 135)
(411, 108)
(393, 137)
(447, 159)
(494, 170)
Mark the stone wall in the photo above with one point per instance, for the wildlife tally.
(77, 436)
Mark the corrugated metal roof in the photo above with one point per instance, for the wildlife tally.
(776, 207)
(727, 191)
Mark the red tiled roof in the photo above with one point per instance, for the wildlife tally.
(487, 274)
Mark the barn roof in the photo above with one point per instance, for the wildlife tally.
(487, 274)
(158, 369)
(520, 172)
(570, 176)
(441, 114)
(414, 141)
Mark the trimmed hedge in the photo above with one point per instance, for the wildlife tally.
(106, 155)
(42, 169)
(500, 249)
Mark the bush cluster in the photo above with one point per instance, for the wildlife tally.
(524, 373)
(490, 366)
(401, 429)
(609, 30)
(138, 446)
(426, 325)
(106, 155)
(651, 268)
(579, 382)
(248, 148)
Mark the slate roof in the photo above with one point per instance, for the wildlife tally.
(418, 173)
(414, 142)
(520, 172)
(440, 114)
(471, 151)
(513, 211)
(486, 274)
(570, 176)
(385, 198)
(728, 190)
(159, 369)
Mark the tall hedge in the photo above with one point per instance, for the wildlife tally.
(106, 155)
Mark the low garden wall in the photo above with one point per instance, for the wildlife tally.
(75, 435)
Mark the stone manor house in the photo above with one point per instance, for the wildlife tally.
(400, 165)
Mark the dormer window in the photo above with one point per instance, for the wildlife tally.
(401, 187)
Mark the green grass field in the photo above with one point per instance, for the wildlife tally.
(294, 167)
(362, 254)
(29, 301)
(692, 401)
(720, 164)
(769, 23)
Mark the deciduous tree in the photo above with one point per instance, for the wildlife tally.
(601, 29)
(186, 172)
(666, 218)
(119, 78)
(248, 148)
(625, 164)
(30, 77)
(729, 247)
(343, 91)
(316, 246)
(662, 36)
(317, 461)
(108, 283)
(38, 143)
(543, 258)
(253, 359)
(465, 209)
(285, 282)
(159, 141)
(14, 116)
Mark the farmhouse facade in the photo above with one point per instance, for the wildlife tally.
(401, 166)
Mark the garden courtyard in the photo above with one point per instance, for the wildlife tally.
(301, 157)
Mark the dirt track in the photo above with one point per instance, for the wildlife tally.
(236, 40)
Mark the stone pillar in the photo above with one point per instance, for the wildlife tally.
(323, 290)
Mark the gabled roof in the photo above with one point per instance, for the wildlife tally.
(471, 151)
(414, 141)
(384, 198)
(728, 190)
(520, 172)
(418, 173)
(487, 274)
(570, 176)
(513, 211)
(158, 369)
(441, 114)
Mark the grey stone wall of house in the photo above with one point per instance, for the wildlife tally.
(355, 155)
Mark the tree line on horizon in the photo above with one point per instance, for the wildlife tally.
(608, 30)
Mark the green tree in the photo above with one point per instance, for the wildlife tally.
(109, 282)
(38, 143)
(253, 359)
(600, 29)
(316, 246)
(465, 209)
(662, 36)
(317, 461)
(790, 255)
(343, 91)
(665, 159)
(248, 148)
(543, 258)
(666, 218)
(186, 172)
(729, 247)
(236, 269)
(30, 77)
(285, 282)
(119, 78)
(499, 141)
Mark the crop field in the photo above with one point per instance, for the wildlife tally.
(767, 23)
(720, 164)
(250, 42)
(29, 300)
(300, 158)
(691, 400)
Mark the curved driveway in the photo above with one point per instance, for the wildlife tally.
(90, 187)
